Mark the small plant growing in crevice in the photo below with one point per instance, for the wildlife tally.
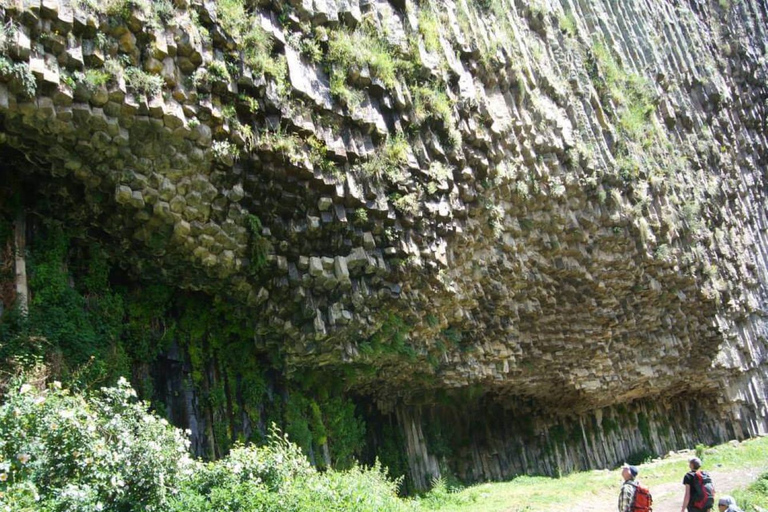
(224, 150)
(142, 83)
(258, 246)
(21, 77)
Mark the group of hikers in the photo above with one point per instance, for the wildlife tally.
(699, 492)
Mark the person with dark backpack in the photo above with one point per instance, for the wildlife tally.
(699, 490)
(634, 496)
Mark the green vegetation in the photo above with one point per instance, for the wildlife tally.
(388, 161)
(434, 105)
(544, 494)
(567, 22)
(92, 79)
(390, 338)
(64, 451)
(429, 28)
(288, 145)
(361, 49)
(155, 12)
(754, 496)
(22, 80)
(142, 83)
(104, 451)
(319, 419)
(348, 96)
(89, 332)
(224, 151)
(257, 45)
(215, 72)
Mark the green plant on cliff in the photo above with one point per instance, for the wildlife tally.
(155, 12)
(243, 25)
(142, 83)
(360, 50)
(224, 151)
(429, 28)
(258, 245)
(407, 203)
(81, 325)
(348, 96)
(8, 32)
(288, 145)
(318, 418)
(214, 72)
(567, 22)
(390, 338)
(433, 104)
(22, 80)
(388, 161)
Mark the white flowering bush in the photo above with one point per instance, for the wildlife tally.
(70, 453)
(64, 452)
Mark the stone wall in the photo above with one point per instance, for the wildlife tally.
(554, 203)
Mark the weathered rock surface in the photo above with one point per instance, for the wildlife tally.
(583, 237)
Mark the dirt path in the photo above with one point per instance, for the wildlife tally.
(669, 496)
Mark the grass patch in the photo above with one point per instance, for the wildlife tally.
(545, 494)
(360, 50)
(756, 495)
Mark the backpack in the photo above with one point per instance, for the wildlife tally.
(642, 501)
(704, 490)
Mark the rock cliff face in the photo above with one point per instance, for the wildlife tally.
(534, 232)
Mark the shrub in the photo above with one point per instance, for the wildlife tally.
(277, 477)
(389, 160)
(142, 83)
(67, 452)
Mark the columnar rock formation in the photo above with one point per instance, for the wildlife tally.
(533, 230)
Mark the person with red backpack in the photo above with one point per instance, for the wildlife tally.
(634, 497)
(699, 490)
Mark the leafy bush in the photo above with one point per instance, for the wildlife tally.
(65, 452)
(68, 452)
(143, 83)
(278, 478)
